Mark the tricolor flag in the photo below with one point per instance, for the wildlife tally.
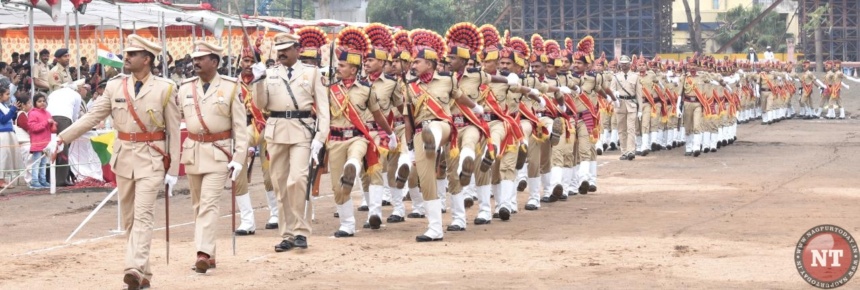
(106, 57)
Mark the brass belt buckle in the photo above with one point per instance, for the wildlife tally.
(347, 133)
(458, 120)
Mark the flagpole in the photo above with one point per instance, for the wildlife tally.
(78, 44)
(164, 42)
(101, 40)
(230, 48)
(121, 44)
(33, 58)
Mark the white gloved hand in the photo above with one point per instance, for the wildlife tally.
(252, 151)
(316, 146)
(542, 103)
(170, 180)
(56, 145)
(258, 69)
(565, 90)
(478, 109)
(639, 115)
(392, 141)
(513, 79)
(236, 168)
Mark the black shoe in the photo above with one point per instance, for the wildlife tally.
(697, 153)
(504, 214)
(363, 208)
(444, 210)
(301, 242)
(707, 150)
(522, 185)
(612, 146)
(599, 151)
(456, 228)
(284, 246)
(272, 226)
(244, 233)
(496, 215)
(423, 238)
(592, 188)
(630, 157)
(395, 219)
(480, 221)
(415, 215)
(605, 147)
(646, 152)
(583, 187)
(342, 234)
(562, 198)
(375, 222)
(532, 207)
(713, 150)
(337, 215)
(386, 203)
(688, 153)
(638, 153)
(468, 202)
(719, 144)
(623, 157)
(366, 226)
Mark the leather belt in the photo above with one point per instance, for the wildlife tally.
(691, 99)
(459, 120)
(141, 137)
(202, 137)
(291, 114)
(343, 133)
(765, 90)
(626, 97)
(489, 117)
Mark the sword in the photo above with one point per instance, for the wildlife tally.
(167, 219)
(233, 209)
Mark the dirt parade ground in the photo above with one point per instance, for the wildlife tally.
(725, 220)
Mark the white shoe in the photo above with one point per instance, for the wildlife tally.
(346, 215)
(246, 215)
(272, 223)
(434, 222)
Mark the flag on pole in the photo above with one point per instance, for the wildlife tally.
(106, 57)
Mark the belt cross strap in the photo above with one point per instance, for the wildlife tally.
(203, 123)
(165, 157)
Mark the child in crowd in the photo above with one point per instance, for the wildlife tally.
(22, 131)
(10, 160)
(40, 123)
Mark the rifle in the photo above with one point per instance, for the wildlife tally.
(410, 119)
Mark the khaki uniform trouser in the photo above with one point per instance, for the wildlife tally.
(806, 100)
(425, 166)
(467, 137)
(505, 168)
(608, 121)
(585, 150)
(498, 133)
(564, 147)
(289, 171)
(673, 122)
(693, 117)
(137, 204)
(569, 154)
(539, 160)
(394, 156)
(824, 101)
(626, 114)
(766, 101)
(836, 102)
(205, 194)
(242, 181)
(374, 178)
(339, 152)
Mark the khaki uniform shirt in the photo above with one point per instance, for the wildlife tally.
(442, 88)
(271, 94)
(361, 97)
(59, 76)
(220, 109)
(157, 107)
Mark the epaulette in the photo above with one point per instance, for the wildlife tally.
(188, 80)
(230, 79)
(445, 74)
(473, 69)
(390, 77)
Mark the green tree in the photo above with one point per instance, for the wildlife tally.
(434, 15)
(770, 31)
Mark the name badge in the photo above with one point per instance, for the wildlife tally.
(119, 100)
(347, 133)
(273, 77)
(458, 120)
